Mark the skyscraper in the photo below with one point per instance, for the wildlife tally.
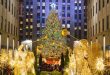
(70, 12)
(25, 19)
(99, 22)
(9, 24)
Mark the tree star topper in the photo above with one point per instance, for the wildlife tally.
(53, 5)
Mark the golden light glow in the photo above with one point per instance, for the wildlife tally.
(100, 64)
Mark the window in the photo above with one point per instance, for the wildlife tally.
(80, 11)
(27, 3)
(102, 24)
(79, 16)
(93, 30)
(93, 10)
(63, 21)
(75, 16)
(43, 20)
(31, 20)
(2, 2)
(63, 1)
(107, 1)
(38, 0)
(68, 1)
(5, 28)
(63, 7)
(96, 28)
(99, 5)
(56, 0)
(75, 4)
(12, 8)
(96, 7)
(1, 22)
(68, 7)
(43, 7)
(50, 0)
(68, 21)
(103, 3)
(107, 22)
(38, 7)
(43, 14)
(27, 6)
(43, 0)
(27, 20)
(9, 27)
(99, 27)
(5, 3)
(63, 15)
(68, 14)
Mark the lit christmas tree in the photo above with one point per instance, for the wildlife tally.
(52, 41)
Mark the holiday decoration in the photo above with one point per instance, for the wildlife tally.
(52, 41)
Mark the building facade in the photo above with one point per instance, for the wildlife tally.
(25, 19)
(9, 24)
(71, 13)
(99, 22)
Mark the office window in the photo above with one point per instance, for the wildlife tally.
(56, 0)
(31, 6)
(63, 21)
(38, 7)
(68, 1)
(1, 22)
(63, 1)
(99, 27)
(79, 4)
(93, 30)
(68, 21)
(75, 11)
(99, 5)
(12, 8)
(96, 7)
(63, 7)
(5, 3)
(38, 21)
(75, 4)
(5, 25)
(43, 14)
(68, 14)
(38, 0)
(9, 5)
(68, 7)
(50, 0)
(43, 20)
(75, 16)
(63, 15)
(107, 22)
(93, 10)
(103, 3)
(2, 2)
(96, 28)
(80, 11)
(43, 7)
(43, 0)
(38, 14)
(9, 27)
(102, 24)
(31, 3)
(27, 3)
(107, 1)
(80, 16)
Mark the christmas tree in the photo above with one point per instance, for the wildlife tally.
(52, 41)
